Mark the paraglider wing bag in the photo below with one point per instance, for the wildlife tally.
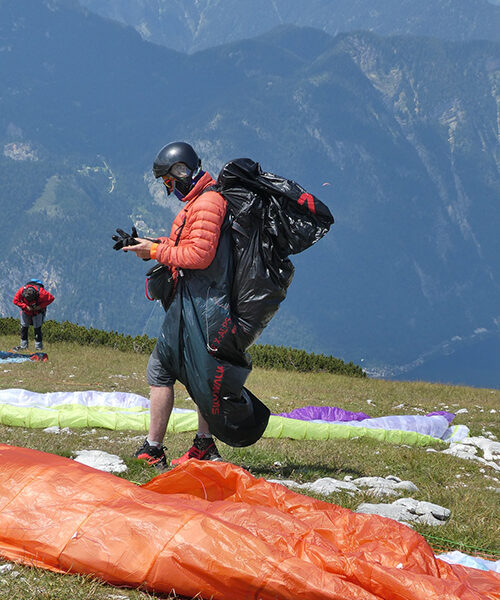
(160, 284)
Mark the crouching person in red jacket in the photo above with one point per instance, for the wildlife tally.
(33, 300)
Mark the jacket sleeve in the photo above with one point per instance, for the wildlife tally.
(200, 236)
(44, 298)
(19, 300)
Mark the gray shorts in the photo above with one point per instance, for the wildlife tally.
(156, 374)
(35, 320)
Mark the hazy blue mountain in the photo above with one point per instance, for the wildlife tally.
(398, 135)
(191, 25)
(473, 361)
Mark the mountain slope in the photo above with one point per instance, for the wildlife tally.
(191, 25)
(399, 136)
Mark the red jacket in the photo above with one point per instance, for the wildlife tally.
(34, 308)
(197, 226)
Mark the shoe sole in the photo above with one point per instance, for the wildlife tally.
(152, 462)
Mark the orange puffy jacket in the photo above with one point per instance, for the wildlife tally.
(195, 231)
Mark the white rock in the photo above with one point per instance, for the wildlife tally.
(435, 510)
(406, 486)
(408, 509)
(382, 490)
(370, 481)
(286, 482)
(54, 429)
(391, 511)
(327, 485)
(409, 503)
(101, 460)
(460, 448)
(428, 519)
(6, 567)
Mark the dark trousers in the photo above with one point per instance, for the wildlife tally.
(36, 321)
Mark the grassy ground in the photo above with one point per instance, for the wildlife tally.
(464, 487)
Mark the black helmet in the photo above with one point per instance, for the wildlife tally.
(180, 161)
(30, 294)
(176, 152)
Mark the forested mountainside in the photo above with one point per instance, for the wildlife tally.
(398, 135)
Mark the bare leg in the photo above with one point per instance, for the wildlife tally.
(160, 407)
(202, 424)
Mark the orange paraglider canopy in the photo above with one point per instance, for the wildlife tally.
(215, 530)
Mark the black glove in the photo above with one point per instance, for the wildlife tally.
(125, 239)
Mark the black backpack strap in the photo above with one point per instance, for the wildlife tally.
(179, 231)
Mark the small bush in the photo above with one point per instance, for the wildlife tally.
(9, 326)
(290, 359)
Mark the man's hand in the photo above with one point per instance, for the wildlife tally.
(142, 248)
(124, 239)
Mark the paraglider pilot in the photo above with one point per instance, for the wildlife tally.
(33, 300)
(192, 244)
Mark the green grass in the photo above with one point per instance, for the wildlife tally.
(459, 485)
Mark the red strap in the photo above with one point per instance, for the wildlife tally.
(146, 290)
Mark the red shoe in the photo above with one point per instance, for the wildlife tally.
(152, 455)
(202, 449)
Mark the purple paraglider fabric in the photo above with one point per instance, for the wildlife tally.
(447, 415)
(324, 413)
(437, 424)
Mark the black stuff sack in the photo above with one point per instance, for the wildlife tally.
(271, 218)
(160, 284)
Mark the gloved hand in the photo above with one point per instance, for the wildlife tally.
(125, 239)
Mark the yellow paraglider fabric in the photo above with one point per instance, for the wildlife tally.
(121, 411)
(215, 530)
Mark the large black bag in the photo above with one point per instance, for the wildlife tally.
(160, 284)
(271, 218)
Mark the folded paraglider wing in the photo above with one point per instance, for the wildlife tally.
(212, 530)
